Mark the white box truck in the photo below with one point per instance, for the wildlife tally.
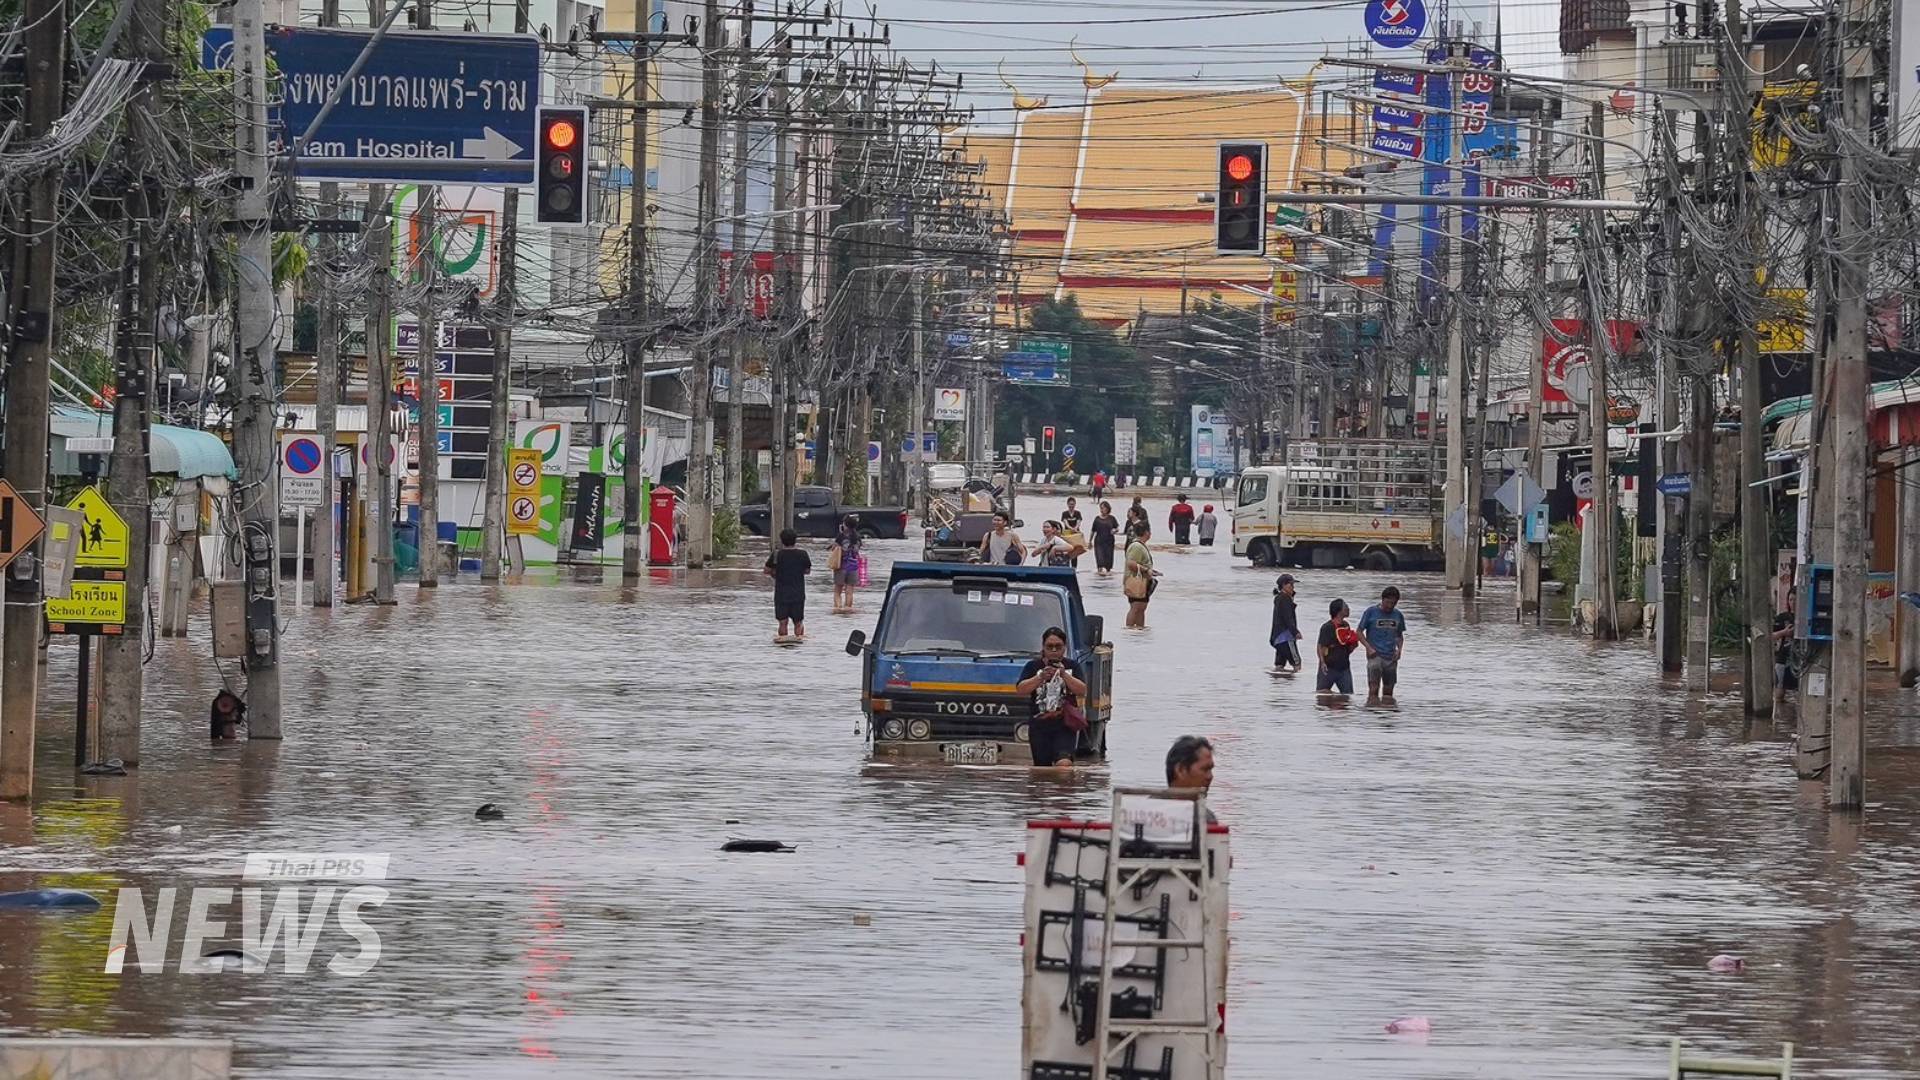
(1371, 503)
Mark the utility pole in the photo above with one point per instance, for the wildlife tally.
(426, 372)
(326, 390)
(1846, 783)
(122, 656)
(35, 261)
(493, 527)
(917, 458)
(786, 305)
(1667, 418)
(700, 442)
(743, 270)
(1756, 551)
(1460, 543)
(1700, 467)
(1907, 570)
(1527, 595)
(633, 503)
(1600, 519)
(256, 450)
(1487, 285)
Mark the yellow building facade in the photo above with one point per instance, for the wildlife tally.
(1101, 196)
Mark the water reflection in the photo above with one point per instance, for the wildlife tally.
(1540, 847)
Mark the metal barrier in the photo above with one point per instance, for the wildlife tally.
(1684, 1066)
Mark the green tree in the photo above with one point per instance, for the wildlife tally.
(1109, 380)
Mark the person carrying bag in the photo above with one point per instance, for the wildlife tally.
(1140, 579)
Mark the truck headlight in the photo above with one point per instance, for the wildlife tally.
(919, 729)
(1020, 733)
(892, 729)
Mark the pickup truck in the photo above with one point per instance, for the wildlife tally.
(937, 679)
(817, 514)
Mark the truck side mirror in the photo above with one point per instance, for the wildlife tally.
(1096, 630)
(856, 642)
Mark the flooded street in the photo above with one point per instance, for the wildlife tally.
(1539, 848)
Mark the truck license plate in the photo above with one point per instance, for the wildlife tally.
(972, 753)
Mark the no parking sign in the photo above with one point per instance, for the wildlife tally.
(300, 483)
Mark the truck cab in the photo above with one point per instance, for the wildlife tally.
(937, 680)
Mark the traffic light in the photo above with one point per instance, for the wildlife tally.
(560, 184)
(1046, 439)
(1240, 205)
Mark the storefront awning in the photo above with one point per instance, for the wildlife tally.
(1893, 417)
(181, 452)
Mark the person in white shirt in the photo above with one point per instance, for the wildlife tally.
(996, 544)
(1209, 525)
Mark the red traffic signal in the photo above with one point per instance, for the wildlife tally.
(1239, 208)
(560, 175)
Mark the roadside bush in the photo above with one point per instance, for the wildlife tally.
(726, 531)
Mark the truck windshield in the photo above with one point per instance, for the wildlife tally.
(932, 618)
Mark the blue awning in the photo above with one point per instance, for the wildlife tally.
(177, 451)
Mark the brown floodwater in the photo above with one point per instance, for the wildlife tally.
(1540, 848)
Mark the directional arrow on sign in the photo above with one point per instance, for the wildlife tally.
(20, 526)
(491, 146)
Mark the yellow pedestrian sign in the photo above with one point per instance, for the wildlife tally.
(103, 539)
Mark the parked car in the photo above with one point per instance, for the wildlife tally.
(816, 513)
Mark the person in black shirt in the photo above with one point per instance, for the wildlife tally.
(789, 567)
(1337, 642)
(1785, 679)
(1055, 681)
(1285, 635)
(226, 714)
(1104, 526)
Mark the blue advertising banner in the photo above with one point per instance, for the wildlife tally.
(1411, 83)
(1405, 144)
(1395, 116)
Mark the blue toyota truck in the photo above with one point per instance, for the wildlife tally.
(938, 677)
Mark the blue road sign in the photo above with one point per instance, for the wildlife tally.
(428, 107)
(1067, 451)
(1396, 24)
(1675, 483)
(1034, 369)
(959, 339)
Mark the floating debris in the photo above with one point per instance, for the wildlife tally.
(757, 845)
